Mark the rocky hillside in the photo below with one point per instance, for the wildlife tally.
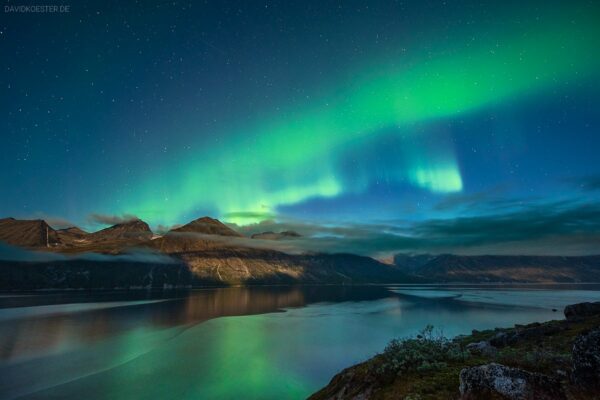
(73, 231)
(27, 233)
(92, 274)
(217, 267)
(557, 360)
(259, 266)
(215, 254)
(508, 269)
(135, 229)
(203, 252)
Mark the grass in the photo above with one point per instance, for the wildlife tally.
(427, 367)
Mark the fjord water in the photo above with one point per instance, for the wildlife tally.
(261, 342)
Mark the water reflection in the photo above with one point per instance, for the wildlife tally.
(54, 324)
(172, 345)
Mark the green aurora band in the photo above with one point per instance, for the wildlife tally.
(295, 156)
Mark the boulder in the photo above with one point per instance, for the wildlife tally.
(491, 380)
(501, 339)
(484, 348)
(350, 384)
(586, 361)
(580, 310)
(520, 333)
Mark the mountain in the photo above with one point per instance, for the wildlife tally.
(217, 267)
(185, 242)
(72, 236)
(207, 226)
(73, 231)
(73, 273)
(524, 269)
(134, 230)
(27, 233)
(207, 252)
(276, 235)
(237, 265)
(203, 252)
(199, 235)
(412, 262)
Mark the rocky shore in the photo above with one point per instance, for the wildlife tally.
(542, 361)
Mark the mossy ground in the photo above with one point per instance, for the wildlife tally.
(547, 352)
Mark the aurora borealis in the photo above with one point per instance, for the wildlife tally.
(349, 115)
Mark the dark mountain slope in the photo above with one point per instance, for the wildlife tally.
(135, 229)
(478, 269)
(27, 233)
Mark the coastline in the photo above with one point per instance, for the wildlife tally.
(533, 361)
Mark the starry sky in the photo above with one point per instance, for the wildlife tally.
(368, 126)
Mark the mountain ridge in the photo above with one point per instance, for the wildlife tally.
(452, 268)
(208, 226)
(212, 253)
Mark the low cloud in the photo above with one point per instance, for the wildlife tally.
(134, 255)
(104, 219)
(162, 229)
(559, 228)
(12, 253)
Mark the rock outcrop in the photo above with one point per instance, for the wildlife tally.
(484, 348)
(520, 333)
(582, 310)
(586, 361)
(350, 384)
(512, 383)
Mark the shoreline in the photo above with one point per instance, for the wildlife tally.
(252, 285)
(537, 361)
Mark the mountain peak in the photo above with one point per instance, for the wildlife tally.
(74, 230)
(133, 229)
(27, 233)
(208, 226)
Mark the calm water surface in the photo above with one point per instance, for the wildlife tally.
(264, 342)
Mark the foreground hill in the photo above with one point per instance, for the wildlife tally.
(507, 269)
(556, 360)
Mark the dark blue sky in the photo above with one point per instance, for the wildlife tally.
(368, 117)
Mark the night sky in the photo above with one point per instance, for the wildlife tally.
(373, 127)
